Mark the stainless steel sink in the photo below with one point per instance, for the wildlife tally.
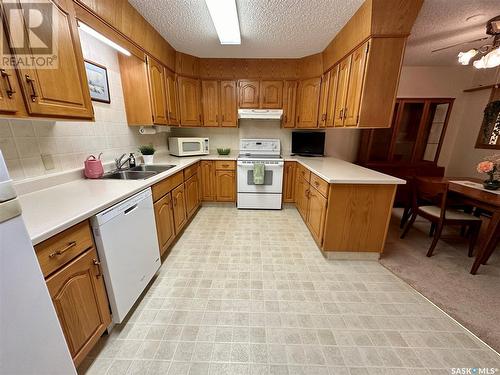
(129, 175)
(152, 168)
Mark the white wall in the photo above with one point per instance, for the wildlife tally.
(23, 142)
(439, 81)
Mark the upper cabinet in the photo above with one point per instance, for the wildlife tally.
(332, 96)
(249, 94)
(59, 91)
(323, 101)
(157, 91)
(190, 101)
(271, 94)
(172, 99)
(308, 94)
(355, 85)
(289, 104)
(219, 103)
(342, 83)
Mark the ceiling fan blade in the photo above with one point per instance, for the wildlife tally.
(459, 44)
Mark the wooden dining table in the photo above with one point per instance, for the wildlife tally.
(484, 200)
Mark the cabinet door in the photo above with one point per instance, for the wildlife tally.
(249, 94)
(210, 103)
(179, 207)
(10, 101)
(225, 186)
(79, 296)
(289, 182)
(192, 195)
(62, 91)
(301, 199)
(164, 216)
(316, 213)
(190, 101)
(228, 104)
(343, 81)
(289, 103)
(207, 180)
(308, 103)
(355, 86)
(157, 91)
(172, 99)
(271, 94)
(332, 96)
(323, 101)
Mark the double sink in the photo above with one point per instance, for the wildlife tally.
(141, 172)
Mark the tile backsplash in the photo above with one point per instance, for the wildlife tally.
(64, 145)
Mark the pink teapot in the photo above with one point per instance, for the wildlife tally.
(93, 167)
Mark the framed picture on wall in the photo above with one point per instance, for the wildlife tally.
(97, 79)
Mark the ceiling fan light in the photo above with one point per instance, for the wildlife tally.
(492, 59)
(465, 57)
(479, 64)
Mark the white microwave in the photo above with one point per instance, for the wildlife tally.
(183, 146)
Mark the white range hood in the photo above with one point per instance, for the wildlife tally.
(260, 114)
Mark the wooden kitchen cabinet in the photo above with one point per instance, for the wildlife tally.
(219, 103)
(157, 90)
(342, 84)
(332, 96)
(355, 85)
(323, 100)
(271, 94)
(249, 94)
(164, 216)
(79, 296)
(308, 94)
(192, 195)
(189, 101)
(172, 99)
(210, 102)
(289, 102)
(301, 201)
(179, 207)
(289, 182)
(61, 91)
(228, 104)
(11, 101)
(225, 182)
(316, 213)
(207, 180)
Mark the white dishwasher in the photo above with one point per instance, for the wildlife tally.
(127, 244)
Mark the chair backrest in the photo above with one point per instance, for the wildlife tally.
(426, 191)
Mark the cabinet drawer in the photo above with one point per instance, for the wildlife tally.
(225, 165)
(320, 184)
(168, 184)
(189, 171)
(63, 247)
(303, 172)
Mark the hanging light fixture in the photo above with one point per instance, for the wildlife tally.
(465, 57)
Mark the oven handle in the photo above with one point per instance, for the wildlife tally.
(268, 166)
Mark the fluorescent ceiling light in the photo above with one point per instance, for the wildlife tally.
(102, 38)
(225, 18)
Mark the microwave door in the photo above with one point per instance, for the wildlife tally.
(190, 147)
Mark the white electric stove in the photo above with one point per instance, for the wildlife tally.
(269, 194)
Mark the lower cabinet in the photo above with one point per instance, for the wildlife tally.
(192, 195)
(164, 215)
(218, 180)
(179, 203)
(289, 182)
(301, 189)
(79, 296)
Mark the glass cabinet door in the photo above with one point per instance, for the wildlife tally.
(408, 129)
(432, 132)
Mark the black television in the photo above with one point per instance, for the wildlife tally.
(308, 143)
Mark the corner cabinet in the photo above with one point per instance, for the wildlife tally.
(289, 104)
(157, 91)
(308, 94)
(61, 91)
(207, 180)
(189, 101)
(289, 182)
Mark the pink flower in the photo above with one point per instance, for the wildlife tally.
(486, 167)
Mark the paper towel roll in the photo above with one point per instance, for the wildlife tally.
(147, 130)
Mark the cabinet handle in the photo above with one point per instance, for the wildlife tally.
(97, 264)
(199, 116)
(284, 119)
(63, 250)
(323, 117)
(298, 118)
(6, 77)
(316, 183)
(216, 118)
(222, 118)
(306, 193)
(345, 112)
(31, 81)
(341, 113)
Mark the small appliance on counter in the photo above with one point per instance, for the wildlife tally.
(93, 167)
(308, 143)
(183, 146)
(260, 174)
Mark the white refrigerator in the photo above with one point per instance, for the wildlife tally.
(31, 339)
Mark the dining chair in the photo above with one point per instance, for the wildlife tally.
(430, 201)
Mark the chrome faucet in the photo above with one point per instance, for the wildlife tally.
(119, 163)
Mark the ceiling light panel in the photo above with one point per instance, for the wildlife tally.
(225, 18)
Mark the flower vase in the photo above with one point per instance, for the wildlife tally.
(491, 184)
(148, 159)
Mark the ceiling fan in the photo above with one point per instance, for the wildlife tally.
(489, 53)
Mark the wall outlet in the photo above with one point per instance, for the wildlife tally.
(48, 162)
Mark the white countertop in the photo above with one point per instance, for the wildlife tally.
(51, 210)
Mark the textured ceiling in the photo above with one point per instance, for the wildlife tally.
(441, 23)
(269, 28)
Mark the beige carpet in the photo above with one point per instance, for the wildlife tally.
(445, 279)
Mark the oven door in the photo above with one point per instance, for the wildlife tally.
(273, 177)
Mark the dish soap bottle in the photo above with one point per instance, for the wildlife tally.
(131, 160)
